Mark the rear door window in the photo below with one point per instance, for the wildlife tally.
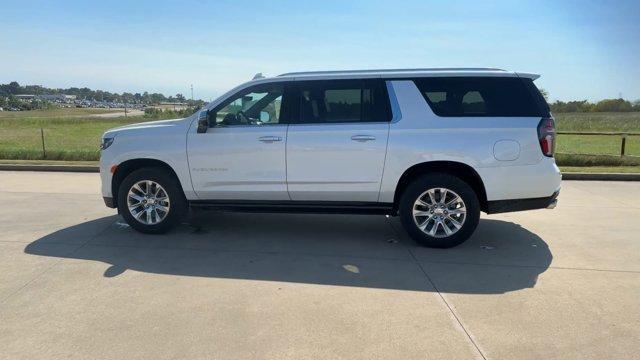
(340, 101)
(479, 96)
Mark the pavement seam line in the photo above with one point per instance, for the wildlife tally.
(455, 316)
(4, 300)
(31, 281)
(449, 307)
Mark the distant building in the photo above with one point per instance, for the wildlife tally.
(47, 97)
(60, 97)
(25, 97)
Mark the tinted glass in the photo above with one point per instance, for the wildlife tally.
(479, 96)
(338, 101)
(259, 105)
(537, 95)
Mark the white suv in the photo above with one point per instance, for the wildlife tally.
(434, 146)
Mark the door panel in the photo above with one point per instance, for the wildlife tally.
(239, 162)
(336, 162)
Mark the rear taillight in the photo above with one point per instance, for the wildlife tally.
(547, 136)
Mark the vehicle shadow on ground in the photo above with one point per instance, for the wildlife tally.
(341, 250)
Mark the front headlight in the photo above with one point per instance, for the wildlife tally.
(106, 142)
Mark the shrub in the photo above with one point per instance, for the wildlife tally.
(156, 113)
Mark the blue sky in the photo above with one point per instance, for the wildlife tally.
(583, 49)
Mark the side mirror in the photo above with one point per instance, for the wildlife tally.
(265, 116)
(203, 121)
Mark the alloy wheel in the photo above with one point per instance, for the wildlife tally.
(439, 212)
(148, 202)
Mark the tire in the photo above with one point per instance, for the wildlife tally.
(432, 210)
(165, 184)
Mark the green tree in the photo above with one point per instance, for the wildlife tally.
(13, 102)
(13, 88)
(613, 105)
(571, 106)
(544, 93)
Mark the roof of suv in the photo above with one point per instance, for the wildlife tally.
(401, 73)
(380, 73)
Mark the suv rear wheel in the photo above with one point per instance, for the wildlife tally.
(151, 201)
(439, 210)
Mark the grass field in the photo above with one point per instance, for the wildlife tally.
(597, 145)
(601, 169)
(587, 122)
(592, 145)
(52, 113)
(598, 122)
(71, 134)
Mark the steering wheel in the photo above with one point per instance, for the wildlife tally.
(242, 116)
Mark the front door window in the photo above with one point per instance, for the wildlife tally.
(258, 105)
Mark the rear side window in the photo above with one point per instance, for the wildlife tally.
(537, 95)
(479, 96)
(339, 101)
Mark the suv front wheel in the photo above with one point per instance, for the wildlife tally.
(439, 210)
(151, 200)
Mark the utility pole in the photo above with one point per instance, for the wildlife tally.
(192, 93)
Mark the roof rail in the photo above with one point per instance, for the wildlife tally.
(329, 72)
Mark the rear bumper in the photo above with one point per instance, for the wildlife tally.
(502, 206)
(521, 181)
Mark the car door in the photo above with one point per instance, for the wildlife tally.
(337, 140)
(242, 154)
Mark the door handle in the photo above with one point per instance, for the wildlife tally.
(363, 138)
(269, 139)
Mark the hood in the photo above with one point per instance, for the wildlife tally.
(148, 124)
(146, 128)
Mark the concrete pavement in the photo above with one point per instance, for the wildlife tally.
(76, 282)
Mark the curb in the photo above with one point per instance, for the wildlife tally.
(601, 176)
(55, 168)
(95, 169)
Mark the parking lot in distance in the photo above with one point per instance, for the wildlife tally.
(76, 282)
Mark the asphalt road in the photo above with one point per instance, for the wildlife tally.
(77, 283)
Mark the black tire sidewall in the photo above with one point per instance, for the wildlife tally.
(169, 183)
(430, 181)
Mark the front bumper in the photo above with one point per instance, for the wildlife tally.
(502, 206)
